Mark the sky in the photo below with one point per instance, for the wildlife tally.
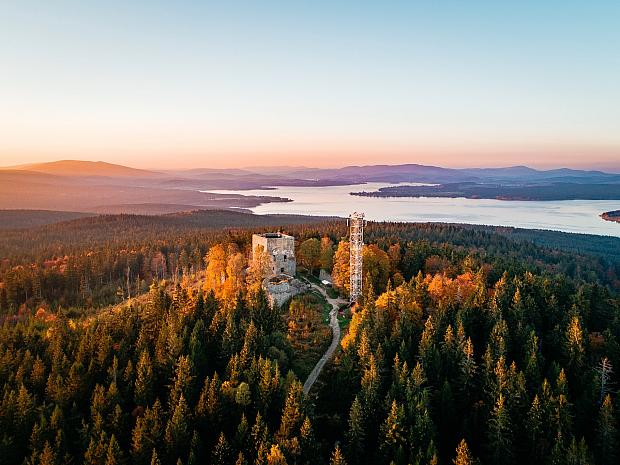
(189, 84)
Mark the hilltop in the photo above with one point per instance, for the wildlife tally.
(84, 168)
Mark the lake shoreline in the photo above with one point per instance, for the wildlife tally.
(613, 216)
(573, 216)
(507, 192)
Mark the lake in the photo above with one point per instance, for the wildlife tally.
(580, 216)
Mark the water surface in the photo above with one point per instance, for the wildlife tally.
(581, 216)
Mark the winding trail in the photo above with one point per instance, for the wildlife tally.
(333, 322)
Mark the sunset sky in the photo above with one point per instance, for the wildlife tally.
(228, 84)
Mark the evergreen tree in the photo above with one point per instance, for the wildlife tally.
(222, 452)
(463, 456)
(48, 456)
(577, 453)
(607, 434)
(275, 456)
(356, 435)
(177, 430)
(499, 437)
(155, 458)
(143, 391)
(114, 455)
(393, 431)
(337, 458)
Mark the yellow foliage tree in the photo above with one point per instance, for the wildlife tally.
(340, 273)
(275, 456)
(215, 275)
(235, 275)
(376, 266)
(463, 456)
(259, 269)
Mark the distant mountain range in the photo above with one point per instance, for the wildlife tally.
(86, 186)
(435, 174)
(349, 174)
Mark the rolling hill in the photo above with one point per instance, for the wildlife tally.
(85, 168)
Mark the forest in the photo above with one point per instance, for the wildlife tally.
(149, 340)
(505, 191)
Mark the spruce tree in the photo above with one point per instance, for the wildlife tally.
(337, 458)
(356, 435)
(143, 391)
(607, 434)
(499, 437)
(463, 456)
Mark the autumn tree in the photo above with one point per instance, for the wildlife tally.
(376, 265)
(259, 269)
(309, 254)
(463, 456)
(235, 276)
(327, 254)
(341, 271)
(215, 275)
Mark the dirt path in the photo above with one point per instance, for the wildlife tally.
(333, 322)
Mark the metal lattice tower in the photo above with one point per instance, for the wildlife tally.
(356, 242)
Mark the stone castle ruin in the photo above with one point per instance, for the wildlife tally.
(280, 284)
(281, 250)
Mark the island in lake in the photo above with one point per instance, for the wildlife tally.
(508, 191)
(611, 216)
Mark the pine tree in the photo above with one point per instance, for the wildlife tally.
(182, 384)
(463, 456)
(275, 456)
(113, 455)
(307, 442)
(607, 434)
(143, 391)
(146, 433)
(393, 430)
(337, 458)
(575, 349)
(241, 459)
(48, 456)
(500, 447)
(577, 453)
(467, 368)
(222, 452)
(535, 432)
(291, 415)
(558, 454)
(155, 458)
(291, 420)
(197, 348)
(195, 450)
(356, 435)
(533, 363)
(177, 431)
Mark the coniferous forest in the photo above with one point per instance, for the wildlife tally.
(142, 340)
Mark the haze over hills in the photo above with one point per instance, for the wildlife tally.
(424, 173)
(86, 186)
(84, 168)
(351, 174)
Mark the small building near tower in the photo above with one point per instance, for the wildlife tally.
(281, 250)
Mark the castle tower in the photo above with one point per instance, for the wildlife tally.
(281, 250)
(356, 243)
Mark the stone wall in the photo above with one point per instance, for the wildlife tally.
(281, 248)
